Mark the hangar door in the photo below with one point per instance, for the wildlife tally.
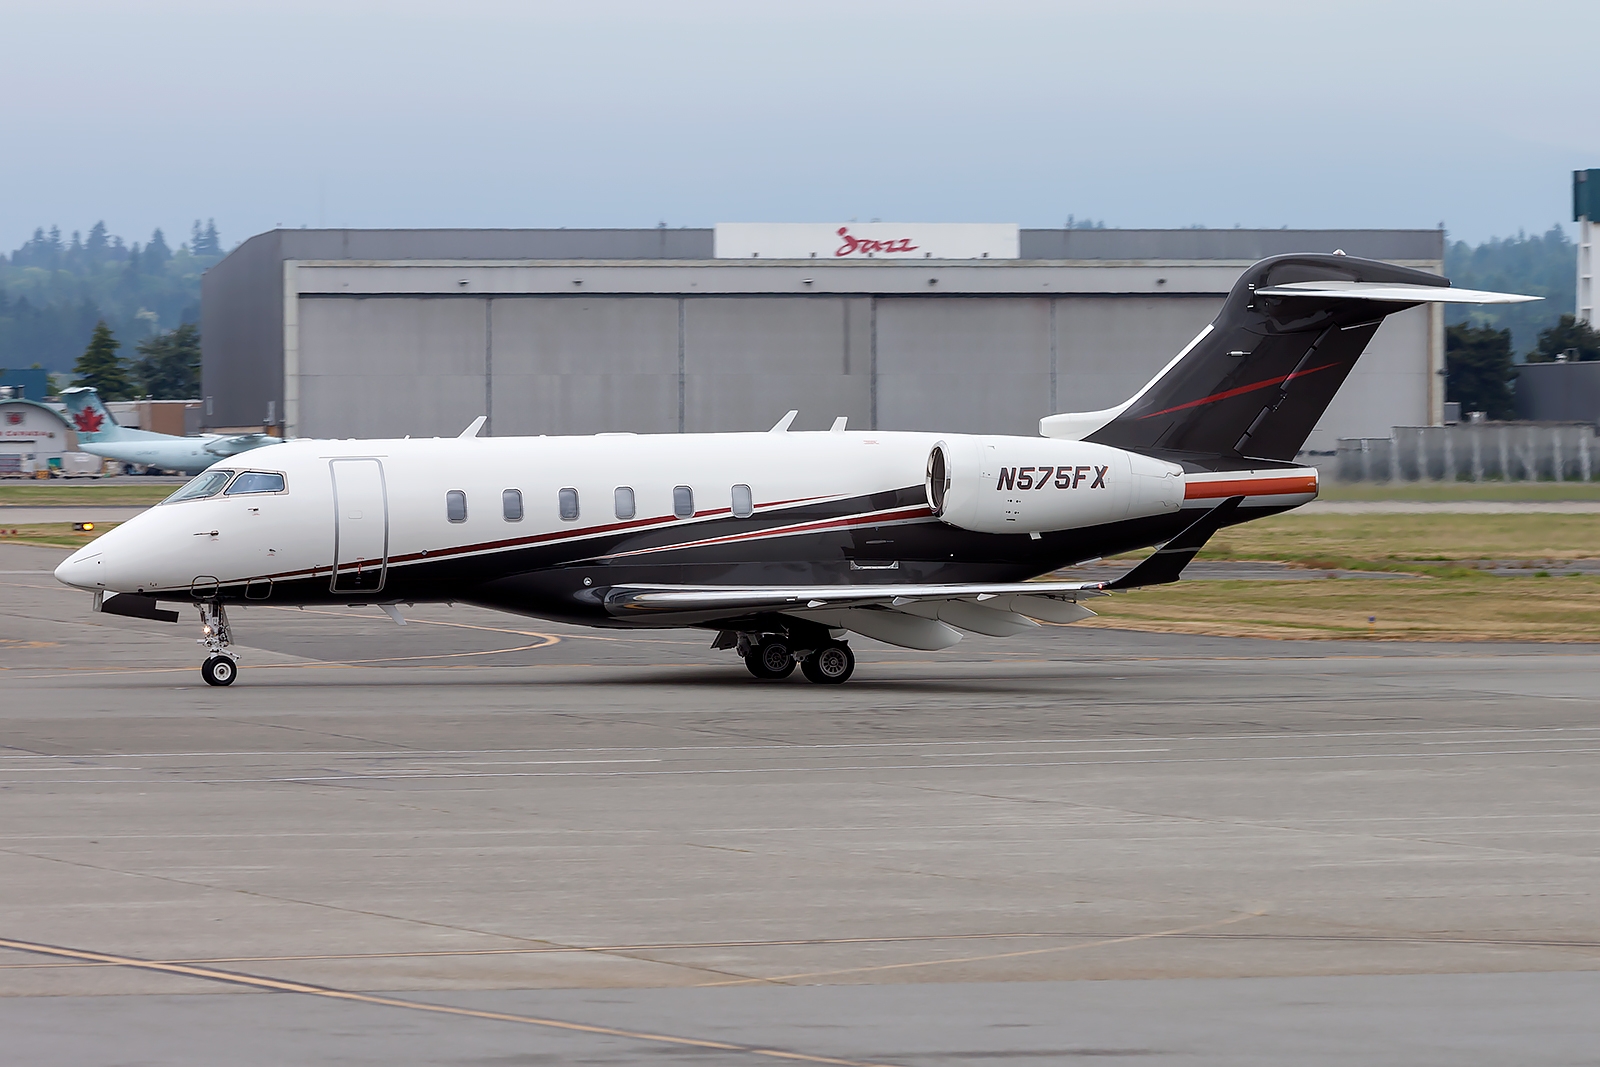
(964, 364)
(360, 526)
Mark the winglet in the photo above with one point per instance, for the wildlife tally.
(839, 424)
(1166, 563)
(783, 423)
(477, 424)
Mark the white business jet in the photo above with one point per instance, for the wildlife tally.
(781, 543)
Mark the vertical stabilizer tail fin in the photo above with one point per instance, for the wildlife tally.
(1255, 382)
(89, 417)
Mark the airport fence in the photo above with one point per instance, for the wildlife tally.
(1473, 452)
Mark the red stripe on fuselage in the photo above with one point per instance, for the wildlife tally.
(921, 511)
(1240, 391)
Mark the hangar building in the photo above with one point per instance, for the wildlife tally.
(33, 437)
(369, 333)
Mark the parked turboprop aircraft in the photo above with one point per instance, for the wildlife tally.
(782, 543)
(99, 435)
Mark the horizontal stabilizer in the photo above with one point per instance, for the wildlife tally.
(1394, 292)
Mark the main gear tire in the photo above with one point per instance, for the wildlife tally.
(772, 659)
(831, 664)
(219, 670)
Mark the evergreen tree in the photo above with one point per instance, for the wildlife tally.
(168, 367)
(1537, 265)
(1478, 370)
(101, 367)
(206, 242)
(156, 253)
(1566, 335)
(95, 246)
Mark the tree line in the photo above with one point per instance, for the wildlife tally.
(54, 289)
(167, 366)
(1483, 343)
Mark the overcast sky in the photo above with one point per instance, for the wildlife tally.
(480, 113)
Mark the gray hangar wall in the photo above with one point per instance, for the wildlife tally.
(387, 333)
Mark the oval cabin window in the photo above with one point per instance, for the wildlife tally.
(744, 504)
(455, 506)
(683, 501)
(511, 504)
(625, 505)
(569, 504)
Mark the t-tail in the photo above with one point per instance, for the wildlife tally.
(90, 418)
(1254, 383)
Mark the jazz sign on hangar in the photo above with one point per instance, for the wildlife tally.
(867, 240)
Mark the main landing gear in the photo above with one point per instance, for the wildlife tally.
(220, 667)
(772, 656)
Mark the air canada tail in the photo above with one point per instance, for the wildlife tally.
(1255, 382)
(89, 416)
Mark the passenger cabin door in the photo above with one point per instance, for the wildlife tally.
(360, 526)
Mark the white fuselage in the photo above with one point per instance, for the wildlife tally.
(191, 455)
(381, 520)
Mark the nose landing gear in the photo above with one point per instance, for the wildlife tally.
(221, 667)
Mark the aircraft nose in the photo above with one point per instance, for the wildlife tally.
(82, 569)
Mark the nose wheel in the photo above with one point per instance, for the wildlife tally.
(220, 667)
(219, 670)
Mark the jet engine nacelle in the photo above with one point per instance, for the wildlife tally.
(1022, 485)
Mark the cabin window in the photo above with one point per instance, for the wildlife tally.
(744, 504)
(683, 501)
(203, 485)
(625, 505)
(255, 482)
(511, 505)
(455, 506)
(569, 504)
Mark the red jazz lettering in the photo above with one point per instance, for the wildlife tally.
(865, 246)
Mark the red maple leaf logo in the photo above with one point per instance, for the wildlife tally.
(87, 421)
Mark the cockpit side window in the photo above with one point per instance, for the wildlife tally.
(208, 483)
(255, 482)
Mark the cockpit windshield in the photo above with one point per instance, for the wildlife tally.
(255, 482)
(206, 484)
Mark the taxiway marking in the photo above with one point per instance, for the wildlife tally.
(278, 985)
(994, 955)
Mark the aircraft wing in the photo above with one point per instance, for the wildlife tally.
(643, 599)
(911, 616)
(927, 616)
(235, 443)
